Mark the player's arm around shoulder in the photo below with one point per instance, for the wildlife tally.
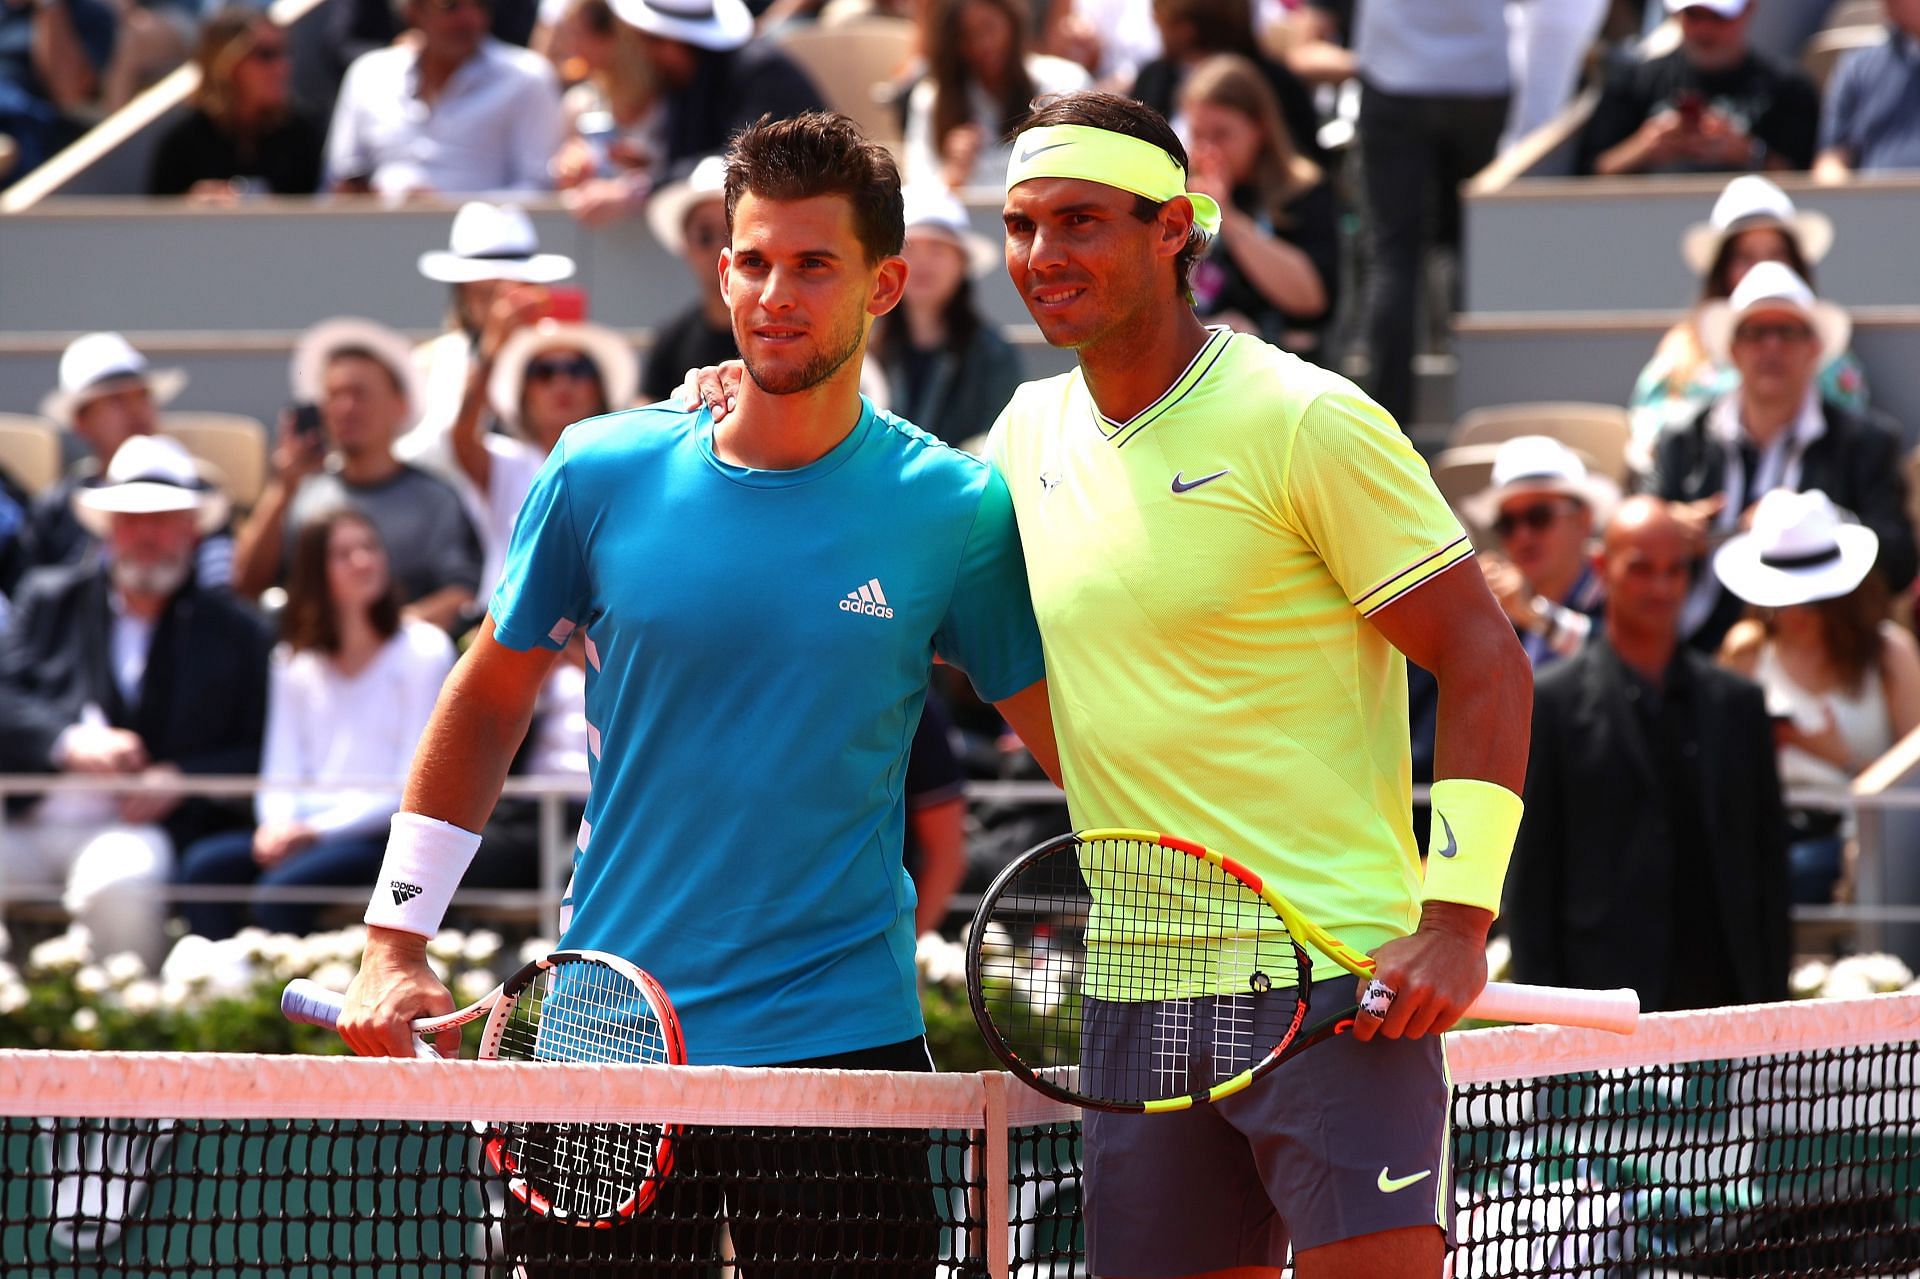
(477, 724)
(1451, 625)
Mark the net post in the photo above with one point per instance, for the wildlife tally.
(996, 1221)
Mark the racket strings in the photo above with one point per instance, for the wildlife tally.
(584, 1011)
(1155, 972)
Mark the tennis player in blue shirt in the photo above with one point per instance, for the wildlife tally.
(762, 603)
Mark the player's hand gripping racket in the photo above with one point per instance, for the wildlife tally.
(573, 1005)
(1129, 971)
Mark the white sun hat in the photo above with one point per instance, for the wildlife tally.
(667, 208)
(1773, 287)
(1540, 464)
(317, 345)
(100, 364)
(718, 25)
(1800, 549)
(494, 242)
(1747, 202)
(1725, 8)
(150, 474)
(611, 354)
(931, 207)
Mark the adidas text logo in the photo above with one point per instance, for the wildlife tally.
(869, 599)
(404, 892)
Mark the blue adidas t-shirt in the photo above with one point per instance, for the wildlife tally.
(758, 648)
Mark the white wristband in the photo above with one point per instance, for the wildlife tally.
(425, 861)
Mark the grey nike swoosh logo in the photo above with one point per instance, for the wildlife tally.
(1182, 486)
(1453, 845)
(1051, 146)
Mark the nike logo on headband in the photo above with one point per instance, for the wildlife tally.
(1051, 146)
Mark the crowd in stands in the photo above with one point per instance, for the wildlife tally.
(1726, 631)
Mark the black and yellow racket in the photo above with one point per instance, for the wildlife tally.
(572, 1005)
(1129, 971)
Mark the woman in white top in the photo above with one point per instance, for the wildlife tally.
(1842, 681)
(981, 82)
(350, 690)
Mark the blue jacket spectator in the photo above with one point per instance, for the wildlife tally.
(52, 53)
(1872, 118)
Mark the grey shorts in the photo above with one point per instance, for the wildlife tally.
(1347, 1139)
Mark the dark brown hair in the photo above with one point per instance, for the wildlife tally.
(311, 619)
(1219, 26)
(951, 75)
(1849, 629)
(1716, 285)
(820, 153)
(1116, 114)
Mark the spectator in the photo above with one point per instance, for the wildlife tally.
(107, 396)
(14, 505)
(714, 75)
(361, 375)
(1753, 221)
(1543, 507)
(935, 848)
(1842, 680)
(1775, 431)
(1191, 32)
(351, 686)
(52, 58)
(127, 667)
(1436, 82)
(1872, 116)
(689, 218)
(949, 370)
(539, 379)
(615, 118)
(1713, 105)
(1274, 269)
(489, 248)
(453, 111)
(1318, 35)
(1653, 854)
(982, 80)
(243, 133)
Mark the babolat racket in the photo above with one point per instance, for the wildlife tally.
(1129, 971)
(573, 1005)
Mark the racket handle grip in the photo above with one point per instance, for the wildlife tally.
(1615, 1010)
(311, 1003)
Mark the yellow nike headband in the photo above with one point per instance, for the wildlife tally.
(1111, 159)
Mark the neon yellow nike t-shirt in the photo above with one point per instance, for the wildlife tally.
(1202, 575)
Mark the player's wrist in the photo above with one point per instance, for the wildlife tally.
(425, 861)
(1474, 825)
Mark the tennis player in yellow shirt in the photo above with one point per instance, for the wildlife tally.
(1232, 554)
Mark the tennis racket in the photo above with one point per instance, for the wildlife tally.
(1129, 971)
(573, 1005)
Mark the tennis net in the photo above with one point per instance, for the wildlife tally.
(1779, 1140)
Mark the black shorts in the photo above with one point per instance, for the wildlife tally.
(806, 1202)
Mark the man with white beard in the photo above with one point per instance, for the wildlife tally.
(124, 665)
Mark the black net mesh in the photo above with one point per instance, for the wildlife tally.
(1794, 1164)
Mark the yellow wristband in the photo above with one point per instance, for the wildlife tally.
(1474, 824)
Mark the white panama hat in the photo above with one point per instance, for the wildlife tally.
(317, 345)
(611, 354)
(1541, 464)
(99, 364)
(494, 242)
(1800, 549)
(716, 25)
(929, 205)
(667, 208)
(1725, 8)
(1747, 202)
(149, 475)
(1772, 286)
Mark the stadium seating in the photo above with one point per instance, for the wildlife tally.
(29, 450)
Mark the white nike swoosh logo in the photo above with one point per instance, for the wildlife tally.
(1051, 146)
(1390, 1184)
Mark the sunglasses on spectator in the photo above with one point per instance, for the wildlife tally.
(573, 366)
(1784, 330)
(449, 6)
(1537, 518)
